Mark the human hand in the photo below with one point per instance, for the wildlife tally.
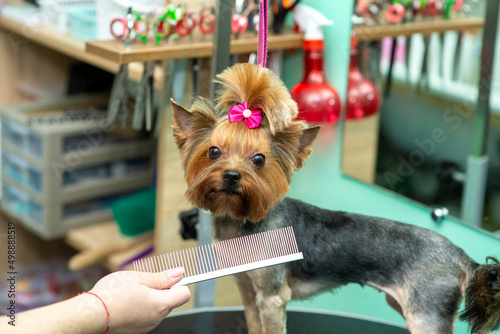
(138, 301)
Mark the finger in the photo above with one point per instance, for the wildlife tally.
(174, 297)
(162, 280)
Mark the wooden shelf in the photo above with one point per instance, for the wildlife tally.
(64, 44)
(116, 52)
(367, 33)
(54, 40)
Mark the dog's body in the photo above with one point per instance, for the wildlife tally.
(341, 248)
(242, 174)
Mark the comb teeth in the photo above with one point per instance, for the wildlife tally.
(227, 257)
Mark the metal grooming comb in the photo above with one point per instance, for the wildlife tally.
(227, 257)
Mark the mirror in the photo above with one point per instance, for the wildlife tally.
(418, 142)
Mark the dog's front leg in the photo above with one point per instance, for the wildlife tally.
(248, 297)
(272, 311)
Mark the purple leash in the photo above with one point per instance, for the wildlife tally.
(262, 47)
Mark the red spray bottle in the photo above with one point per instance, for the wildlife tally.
(317, 100)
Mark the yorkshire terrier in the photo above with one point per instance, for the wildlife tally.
(239, 155)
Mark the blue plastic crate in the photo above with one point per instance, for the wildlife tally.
(83, 23)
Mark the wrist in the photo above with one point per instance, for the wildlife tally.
(95, 311)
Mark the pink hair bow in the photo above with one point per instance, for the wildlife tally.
(240, 112)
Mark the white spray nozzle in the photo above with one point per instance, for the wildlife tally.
(311, 22)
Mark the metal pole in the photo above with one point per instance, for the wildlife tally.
(477, 162)
(222, 40)
(205, 291)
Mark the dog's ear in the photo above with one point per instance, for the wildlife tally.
(182, 118)
(196, 124)
(307, 139)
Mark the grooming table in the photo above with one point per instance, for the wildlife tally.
(299, 321)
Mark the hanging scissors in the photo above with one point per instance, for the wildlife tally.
(121, 28)
(188, 22)
(239, 22)
(186, 25)
(161, 27)
(173, 15)
(119, 89)
(207, 20)
(141, 27)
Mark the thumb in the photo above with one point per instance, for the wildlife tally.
(162, 280)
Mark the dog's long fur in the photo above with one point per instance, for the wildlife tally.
(423, 274)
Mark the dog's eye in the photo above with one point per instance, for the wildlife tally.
(214, 153)
(258, 160)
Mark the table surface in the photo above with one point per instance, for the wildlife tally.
(232, 321)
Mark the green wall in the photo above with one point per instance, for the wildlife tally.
(321, 183)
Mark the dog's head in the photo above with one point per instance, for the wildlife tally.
(235, 170)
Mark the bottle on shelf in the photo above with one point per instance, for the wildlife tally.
(317, 100)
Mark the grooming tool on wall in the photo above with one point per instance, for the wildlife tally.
(161, 28)
(139, 108)
(144, 98)
(150, 94)
(186, 25)
(227, 257)
(280, 9)
(173, 15)
(134, 24)
(207, 20)
(119, 89)
(239, 21)
(125, 29)
(207, 26)
(118, 92)
(239, 24)
(141, 27)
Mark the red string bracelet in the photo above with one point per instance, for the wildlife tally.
(105, 307)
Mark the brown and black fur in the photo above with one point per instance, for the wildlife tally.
(424, 276)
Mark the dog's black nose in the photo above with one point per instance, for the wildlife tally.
(231, 177)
